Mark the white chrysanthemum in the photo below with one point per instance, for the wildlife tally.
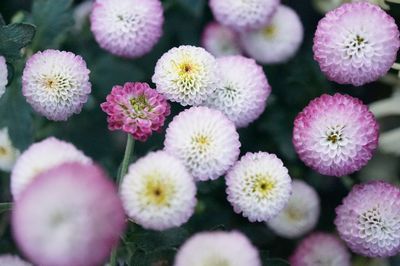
(258, 186)
(276, 42)
(218, 249)
(300, 214)
(187, 75)
(56, 83)
(8, 153)
(158, 192)
(81, 14)
(242, 92)
(220, 40)
(12, 260)
(3, 75)
(243, 15)
(205, 140)
(40, 157)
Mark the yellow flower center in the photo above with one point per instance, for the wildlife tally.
(56, 82)
(188, 73)
(3, 151)
(269, 31)
(201, 142)
(293, 213)
(216, 260)
(158, 190)
(263, 185)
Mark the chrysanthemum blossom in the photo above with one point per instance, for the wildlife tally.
(300, 214)
(69, 215)
(218, 248)
(12, 260)
(369, 219)
(3, 75)
(158, 192)
(56, 84)
(349, 46)
(258, 186)
(8, 153)
(243, 15)
(205, 140)
(187, 75)
(220, 40)
(136, 109)
(127, 28)
(320, 249)
(276, 42)
(335, 135)
(40, 157)
(242, 91)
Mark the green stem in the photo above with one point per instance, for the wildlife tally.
(130, 144)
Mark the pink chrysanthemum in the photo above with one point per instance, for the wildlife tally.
(3, 75)
(276, 42)
(56, 84)
(218, 248)
(369, 219)
(242, 91)
(220, 40)
(127, 28)
(356, 43)
(243, 15)
(136, 109)
(70, 215)
(335, 135)
(12, 260)
(320, 249)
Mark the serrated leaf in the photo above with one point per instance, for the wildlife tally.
(53, 19)
(13, 37)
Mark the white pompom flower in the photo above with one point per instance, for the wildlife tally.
(3, 75)
(40, 157)
(258, 186)
(8, 153)
(158, 192)
(205, 140)
(300, 214)
(187, 75)
(276, 42)
(242, 92)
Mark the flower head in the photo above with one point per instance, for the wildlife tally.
(320, 249)
(8, 153)
(39, 158)
(136, 109)
(220, 40)
(369, 219)
(242, 91)
(12, 260)
(69, 215)
(56, 84)
(158, 192)
(349, 46)
(3, 75)
(335, 135)
(300, 214)
(187, 75)
(127, 28)
(218, 248)
(258, 186)
(277, 41)
(205, 140)
(243, 15)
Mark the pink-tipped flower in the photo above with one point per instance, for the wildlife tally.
(356, 43)
(127, 28)
(243, 15)
(220, 40)
(277, 41)
(12, 260)
(56, 84)
(320, 249)
(335, 135)
(3, 75)
(70, 215)
(136, 109)
(242, 91)
(369, 219)
(218, 248)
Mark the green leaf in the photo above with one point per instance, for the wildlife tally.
(53, 19)
(13, 37)
(5, 206)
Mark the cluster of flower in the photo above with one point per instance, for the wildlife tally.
(57, 189)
